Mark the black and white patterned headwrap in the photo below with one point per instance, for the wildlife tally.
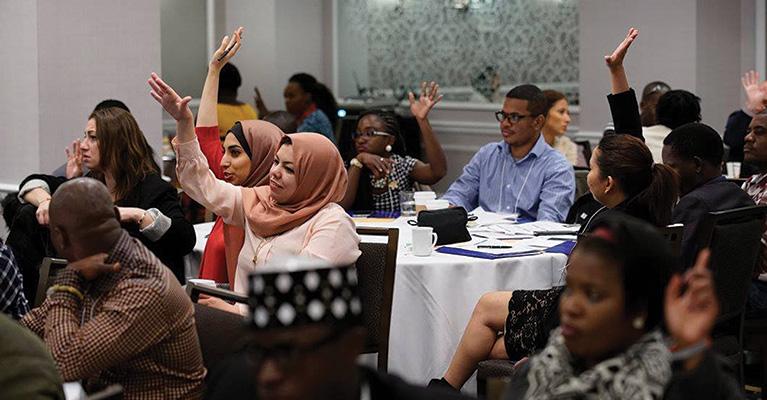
(296, 297)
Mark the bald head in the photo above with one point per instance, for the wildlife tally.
(83, 218)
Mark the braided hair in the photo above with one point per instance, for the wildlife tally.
(364, 198)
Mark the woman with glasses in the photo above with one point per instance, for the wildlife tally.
(380, 170)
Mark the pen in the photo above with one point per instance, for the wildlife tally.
(493, 247)
(552, 233)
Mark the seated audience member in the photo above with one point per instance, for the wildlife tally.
(244, 160)
(380, 168)
(297, 213)
(12, 299)
(695, 151)
(28, 370)
(312, 104)
(649, 101)
(623, 180)
(737, 123)
(520, 174)
(675, 108)
(755, 152)
(117, 153)
(69, 169)
(610, 344)
(557, 121)
(228, 109)
(115, 314)
(313, 354)
(283, 119)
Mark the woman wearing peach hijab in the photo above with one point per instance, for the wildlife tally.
(297, 213)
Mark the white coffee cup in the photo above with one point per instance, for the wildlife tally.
(421, 198)
(437, 204)
(424, 239)
(203, 282)
(733, 169)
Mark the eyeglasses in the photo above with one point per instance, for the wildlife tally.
(369, 134)
(513, 117)
(287, 356)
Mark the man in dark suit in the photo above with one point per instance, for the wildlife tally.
(306, 338)
(695, 152)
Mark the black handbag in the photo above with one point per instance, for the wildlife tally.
(449, 224)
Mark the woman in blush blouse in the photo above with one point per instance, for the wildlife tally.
(295, 214)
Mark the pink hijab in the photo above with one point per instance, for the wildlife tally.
(263, 139)
(321, 179)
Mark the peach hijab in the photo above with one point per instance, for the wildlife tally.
(263, 140)
(321, 179)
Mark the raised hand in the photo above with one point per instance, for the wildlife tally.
(230, 45)
(615, 60)
(177, 107)
(756, 92)
(74, 160)
(691, 312)
(260, 105)
(428, 97)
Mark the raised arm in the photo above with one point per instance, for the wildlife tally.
(622, 100)
(196, 179)
(207, 114)
(431, 172)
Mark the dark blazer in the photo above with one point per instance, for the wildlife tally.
(152, 192)
(715, 195)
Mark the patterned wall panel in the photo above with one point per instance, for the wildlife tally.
(412, 40)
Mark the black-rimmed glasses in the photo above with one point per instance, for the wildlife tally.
(369, 134)
(511, 117)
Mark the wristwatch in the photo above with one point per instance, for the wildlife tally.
(355, 163)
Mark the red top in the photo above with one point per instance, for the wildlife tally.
(213, 264)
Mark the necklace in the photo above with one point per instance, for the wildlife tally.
(258, 250)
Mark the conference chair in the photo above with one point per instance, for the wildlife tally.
(375, 270)
(49, 268)
(734, 239)
(221, 333)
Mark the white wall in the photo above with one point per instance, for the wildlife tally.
(282, 37)
(19, 95)
(69, 56)
(698, 45)
(665, 49)
(184, 44)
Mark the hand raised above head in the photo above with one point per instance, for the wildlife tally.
(230, 45)
(615, 60)
(428, 97)
(177, 107)
(756, 92)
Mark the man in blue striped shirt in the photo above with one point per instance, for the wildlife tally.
(521, 174)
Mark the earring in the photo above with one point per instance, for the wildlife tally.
(388, 148)
(638, 323)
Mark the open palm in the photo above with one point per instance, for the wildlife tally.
(177, 107)
(756, 92)
(428, 97)
(691, 311)
(615, 59)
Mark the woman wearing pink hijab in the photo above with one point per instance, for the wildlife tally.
(296, 213)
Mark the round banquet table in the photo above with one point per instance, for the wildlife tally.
(434, 297)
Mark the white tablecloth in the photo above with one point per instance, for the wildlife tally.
(434, 297)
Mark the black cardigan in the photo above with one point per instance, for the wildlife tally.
(152, 192)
